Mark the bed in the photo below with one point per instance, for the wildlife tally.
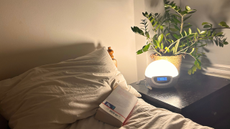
(67, 94)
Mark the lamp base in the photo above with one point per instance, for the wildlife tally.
(162, 81)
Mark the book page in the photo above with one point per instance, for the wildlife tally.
(119, 103)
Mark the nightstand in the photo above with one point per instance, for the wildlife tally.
(202, 98)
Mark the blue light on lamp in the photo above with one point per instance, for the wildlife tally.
(161, 74)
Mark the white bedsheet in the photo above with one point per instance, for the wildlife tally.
(143, 116)
(66, 95)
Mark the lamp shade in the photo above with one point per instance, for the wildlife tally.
(161, 74)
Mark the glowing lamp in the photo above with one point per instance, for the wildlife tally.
(161, 74)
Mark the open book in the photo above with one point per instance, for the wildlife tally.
(115, 109)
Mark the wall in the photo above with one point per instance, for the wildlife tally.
(139, 7)
(36, 32)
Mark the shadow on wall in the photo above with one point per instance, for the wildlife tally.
(154, 6)
(14, 64)
(213, 11)
(153, 3)
(218, 11)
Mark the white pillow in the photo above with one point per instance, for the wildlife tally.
(55, 95)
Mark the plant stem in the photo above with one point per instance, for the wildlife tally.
(182, 24)
(186, 47)
(155, 50)
(181, 28)
(176, 42)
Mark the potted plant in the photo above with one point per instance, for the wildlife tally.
(173, 36)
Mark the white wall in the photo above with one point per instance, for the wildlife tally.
(36, 32)
(139, 7)
(30, 29)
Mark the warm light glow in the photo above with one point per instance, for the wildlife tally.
(161, 68)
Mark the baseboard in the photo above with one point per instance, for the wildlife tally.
(218, 70)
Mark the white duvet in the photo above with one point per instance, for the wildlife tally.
(66, 95)
(144, 116)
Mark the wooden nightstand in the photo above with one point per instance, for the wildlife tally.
(202, 98)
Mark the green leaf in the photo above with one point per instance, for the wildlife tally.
(157, 27)
(147, 34)
(139, 52)
(187, 8)
(155, 42)
(185, 33)
(154, 23)
(209, 33)
(162, 46)
(176, 15)
(170, 40)
(176, 20)
(158, 44)
(205, 23)
(203, 45)
(198, 30)
(190, 31)
(223, 24)
(219, 33)
(135, 29)
(192, 50)
(176, 36)
(160, 38)
(173, 29)
(197, 63)
(195, 37)
(145, 14)
(155, 36)
(190, 71)
(162, 27)
(191, 11)
(176, 27)
(207, 26)
(167, 34)
(173, 49)
(187, 42)
(194, 69)
(176, 46)
(184, 12)
(146, 47)
(191, 35)
(187, 17)
(188, 26)
(166, 2)
(167, 49)
(202, 32)
(225, 42)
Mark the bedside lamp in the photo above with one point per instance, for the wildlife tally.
(161, 74)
